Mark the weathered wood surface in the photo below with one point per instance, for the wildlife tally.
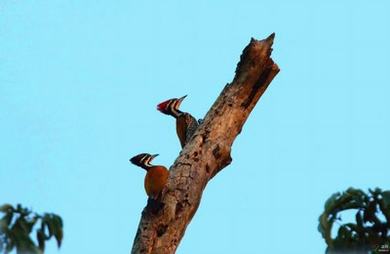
(207, 153)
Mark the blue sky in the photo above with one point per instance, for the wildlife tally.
(80, 80)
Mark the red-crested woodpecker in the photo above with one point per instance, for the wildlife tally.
(186, 124)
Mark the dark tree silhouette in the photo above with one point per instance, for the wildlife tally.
(370, 232)
(18, 223)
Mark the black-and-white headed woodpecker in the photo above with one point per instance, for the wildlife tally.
(156, 175)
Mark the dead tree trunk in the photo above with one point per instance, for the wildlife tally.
(207, 153)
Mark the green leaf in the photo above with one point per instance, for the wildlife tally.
(53, 223)
(376, 191)
(41, 239)
(359, 219)
(10, 245)
(24, 225)
(369, 213)
(30, 223)
(355, 192)
(23, 241)
(47, 221)
(19, 208)
(344, 233)
(359, 197)
(58, 232)
(386, 199)
(7, 219)
(330, 203)
(6, 208)
(59, 220)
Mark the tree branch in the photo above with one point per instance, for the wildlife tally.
(207, 153)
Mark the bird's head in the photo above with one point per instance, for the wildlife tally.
(171, 106)
(143, 160)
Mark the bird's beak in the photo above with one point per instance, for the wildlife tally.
(180, 100)
(153, 156)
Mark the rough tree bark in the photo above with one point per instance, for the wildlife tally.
(207, 153)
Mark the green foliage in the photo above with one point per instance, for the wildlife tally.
(369, 231)
(18, 223)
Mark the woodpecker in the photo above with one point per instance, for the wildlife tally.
(156, 175)
(186, 124)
